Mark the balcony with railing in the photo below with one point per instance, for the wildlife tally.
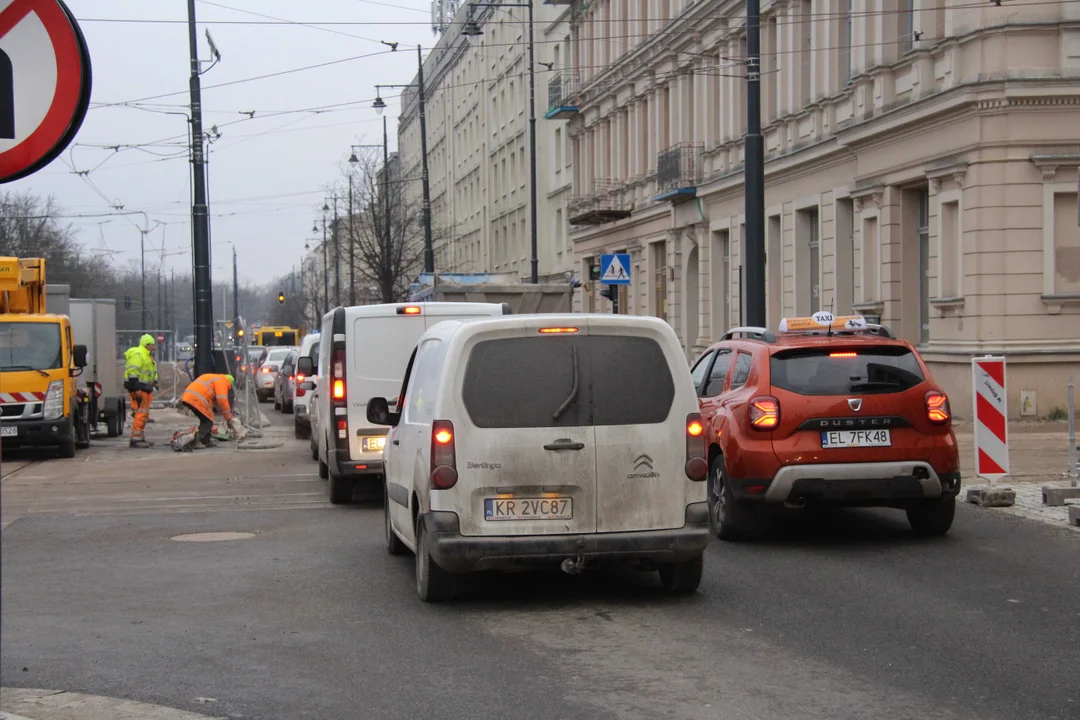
(562, 97)
(679, 171)
(607, 203)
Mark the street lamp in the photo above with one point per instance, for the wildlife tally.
(379, 105)
(472, 29)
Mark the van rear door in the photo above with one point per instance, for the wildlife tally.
(527, 459)
(641, 481)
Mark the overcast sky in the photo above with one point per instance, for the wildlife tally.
(267, 175)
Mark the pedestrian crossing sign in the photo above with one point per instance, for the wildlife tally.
(615, 269)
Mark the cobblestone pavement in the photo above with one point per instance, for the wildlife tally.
(1038, 457)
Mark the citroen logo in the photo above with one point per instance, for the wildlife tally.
(643, 462)
(855, 404)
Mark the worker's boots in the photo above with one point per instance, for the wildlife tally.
(140, 443)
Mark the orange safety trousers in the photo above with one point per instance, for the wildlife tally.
(140, 403)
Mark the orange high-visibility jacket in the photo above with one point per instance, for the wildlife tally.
(205, 392)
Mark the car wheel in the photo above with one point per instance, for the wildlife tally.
(300, 431)
(933, 518)
(729, 519)
(277, 403)
(324, 469)
(394, 546)
(433, 584)
(341, 489)
(314, 449)
(114, 423)
(287, 408)
(682, 578)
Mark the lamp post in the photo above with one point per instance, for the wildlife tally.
(353, 160)
(471, 29)
(379, 105)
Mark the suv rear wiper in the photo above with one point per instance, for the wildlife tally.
(574, 389)
(874, 385)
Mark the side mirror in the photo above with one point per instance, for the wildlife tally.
(78, 355)
(378, 412)
(305, 366)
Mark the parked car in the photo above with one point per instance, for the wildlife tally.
(266, 376)
(253, 358)
(184, 351)
(827, 412)
(568, 439)
(304, 384)
(284, 383)
(363, 352)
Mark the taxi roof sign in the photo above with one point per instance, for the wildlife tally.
(824, 321)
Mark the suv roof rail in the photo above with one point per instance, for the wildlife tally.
(881, 330)
(751, 333)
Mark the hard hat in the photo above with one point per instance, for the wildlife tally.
(231, 379)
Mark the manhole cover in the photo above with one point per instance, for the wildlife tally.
(212, 537)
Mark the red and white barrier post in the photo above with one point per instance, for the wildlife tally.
(991, 418)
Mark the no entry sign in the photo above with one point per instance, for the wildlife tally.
(991, 418)
(44, 84)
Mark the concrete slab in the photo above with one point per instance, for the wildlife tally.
(35, 704)
(1074, 515)
(991, 497)
(1056, 497)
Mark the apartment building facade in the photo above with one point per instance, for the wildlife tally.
(477, 122)
(921, 168)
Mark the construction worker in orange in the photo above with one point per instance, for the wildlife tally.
(140, 380)
(202, 396)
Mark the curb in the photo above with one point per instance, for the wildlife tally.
(37, 704)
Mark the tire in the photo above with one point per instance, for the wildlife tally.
(341, 489)
(82, 430)
(277, 404)
(301, 432)
(729, 519)
(394, 546)
(324, 469)
(933, 518)
(67, 446)
(433, 584)
(114, 424)
(314, 448)
(682, 578)
(286, 407)
(263, 397)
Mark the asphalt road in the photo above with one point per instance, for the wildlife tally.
(843, 615)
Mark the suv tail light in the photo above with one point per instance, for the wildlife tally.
(764, 413)
(937, 408)
(697, 468)
(443, 455)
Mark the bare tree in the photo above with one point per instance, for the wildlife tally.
(386, 229)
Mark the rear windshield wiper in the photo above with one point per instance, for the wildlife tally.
(873, 384)
(24, 367)
(574, 389)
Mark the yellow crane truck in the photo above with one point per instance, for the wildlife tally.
(40, 401)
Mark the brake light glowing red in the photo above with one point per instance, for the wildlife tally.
(443, 455)
(339, 389)
(555, 330)
(843, 354)
(696, 466)
(937, 408)
(266, 369)
(764, 413)
(299, 377)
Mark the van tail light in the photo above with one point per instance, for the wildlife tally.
(339, 389)
(342, 429)
(697, 468)
(299, 377)
(443, 455)
(937, 408)
(764, 413)
(300, 392)
(339, 397)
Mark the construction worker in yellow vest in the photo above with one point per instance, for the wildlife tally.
(140, 380)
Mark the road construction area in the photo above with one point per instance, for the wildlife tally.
(221, 583)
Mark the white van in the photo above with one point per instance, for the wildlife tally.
(546, 438)
(363, 352)
(306, 372)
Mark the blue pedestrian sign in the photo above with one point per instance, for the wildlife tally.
(615, 269)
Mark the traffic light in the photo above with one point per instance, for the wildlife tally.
(609, 291)
(281, 298)
(240, 332)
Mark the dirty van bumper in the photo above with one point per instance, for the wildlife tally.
(37, 433)
(458, 553)
(343, 465)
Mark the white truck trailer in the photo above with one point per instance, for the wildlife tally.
(93, 324)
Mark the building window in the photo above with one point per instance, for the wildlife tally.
(868, 260)
(558, 150)
(907, 25)
(807, 261)
(848, 33)
(660, 279)
(720, 287)
(771, 71)
(923, 229)
(845, 255)
(814, 269)
(949, 280)
(1066, 234)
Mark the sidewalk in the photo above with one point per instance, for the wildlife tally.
(1038, 456)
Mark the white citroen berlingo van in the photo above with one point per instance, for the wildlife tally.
(568, 439)
(363, 351)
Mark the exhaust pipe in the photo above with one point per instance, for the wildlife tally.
(573, 566)
(799, 502)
